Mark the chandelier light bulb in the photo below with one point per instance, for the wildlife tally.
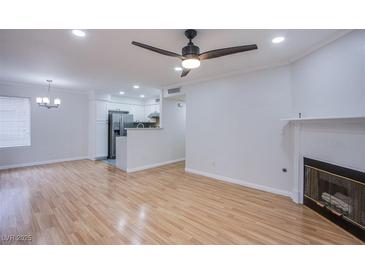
(45, 100)
(57, 101)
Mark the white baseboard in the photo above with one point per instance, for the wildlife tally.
(43, 162)
(296, 197)
(134, 169)
(240, 182)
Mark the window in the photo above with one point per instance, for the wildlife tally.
(14, 121)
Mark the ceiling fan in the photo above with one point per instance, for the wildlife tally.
(191, 55)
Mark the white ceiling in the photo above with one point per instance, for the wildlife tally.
(105, 61)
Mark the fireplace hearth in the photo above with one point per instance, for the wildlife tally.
(337, 193)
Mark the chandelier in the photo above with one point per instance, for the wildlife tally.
(45, 101)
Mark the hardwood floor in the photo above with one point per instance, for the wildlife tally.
(86, 202)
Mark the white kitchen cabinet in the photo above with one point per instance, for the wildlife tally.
(101, 111)
(119, 107)
(156, 108)
(149, 109)
(125, 107)
(138, 113)
(101, 139)
(136, 110)
(113, 106)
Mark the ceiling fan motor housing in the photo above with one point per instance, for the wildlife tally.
(190, 50)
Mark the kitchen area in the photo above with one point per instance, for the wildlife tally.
(133, 134)
(110, 117)
(119, 121)
(150, 147)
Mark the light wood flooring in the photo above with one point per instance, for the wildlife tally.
(87, 202)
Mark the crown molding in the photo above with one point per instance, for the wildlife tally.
(228, 75)
(31, 85)
(341, 33)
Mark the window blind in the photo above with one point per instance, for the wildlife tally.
(14, 121)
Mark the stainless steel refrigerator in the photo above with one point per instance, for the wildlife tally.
(118, 121)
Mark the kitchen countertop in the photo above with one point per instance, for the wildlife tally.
(141, 128)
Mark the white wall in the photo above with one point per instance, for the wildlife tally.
(56, 133)
(147, 148)
(331, 81)
(234, 132)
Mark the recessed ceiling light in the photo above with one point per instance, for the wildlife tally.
(78, 33)
(142, 96)
(136, 86)
(178, 68)
(121, 92)
(278, 39)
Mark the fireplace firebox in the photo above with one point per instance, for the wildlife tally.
(337, 193)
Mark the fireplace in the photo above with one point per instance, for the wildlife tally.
(337, 193)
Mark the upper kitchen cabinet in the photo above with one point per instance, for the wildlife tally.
(156, 108)
(101, 111)
(120, 107)
(148, 109)
(134, 109)
(138, 113)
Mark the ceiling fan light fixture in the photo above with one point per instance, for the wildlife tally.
(190, 63)
(78, 33)
(278, 39)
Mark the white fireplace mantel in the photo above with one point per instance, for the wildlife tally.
(349, 140)
(297, 195)
(303, 119)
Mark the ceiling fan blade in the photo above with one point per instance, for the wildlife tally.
(185, 72)
(161, 51)
(226, 51)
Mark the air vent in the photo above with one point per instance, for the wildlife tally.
(173, 90)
